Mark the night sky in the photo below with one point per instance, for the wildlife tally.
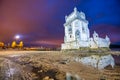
(40, 22)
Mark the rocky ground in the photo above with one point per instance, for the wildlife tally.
(51, 65)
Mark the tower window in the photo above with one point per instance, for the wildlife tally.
(70, 30)
(77, 34)
(70, 36)
(83, 29)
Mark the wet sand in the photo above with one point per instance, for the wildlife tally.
(48, 65)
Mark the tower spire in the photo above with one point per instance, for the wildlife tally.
(75, 9)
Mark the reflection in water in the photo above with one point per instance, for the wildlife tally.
(97, 61)
(10, 72)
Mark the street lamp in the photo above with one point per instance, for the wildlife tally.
(17, 37)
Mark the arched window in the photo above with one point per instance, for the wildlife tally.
(77, 34)
(70, 36)
(70, 30)
(83, 29)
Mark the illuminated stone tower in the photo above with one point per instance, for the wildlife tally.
(77, 33)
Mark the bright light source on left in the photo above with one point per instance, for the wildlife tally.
(17, 37)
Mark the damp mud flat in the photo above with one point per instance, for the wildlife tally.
(51, 65)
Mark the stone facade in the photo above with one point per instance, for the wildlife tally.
(77, 33)
(95, 61)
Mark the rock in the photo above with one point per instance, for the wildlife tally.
(64, 61)
(40, 71)
(46, 78)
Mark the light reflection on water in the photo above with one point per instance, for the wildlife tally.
(15, 55)
(10, 72)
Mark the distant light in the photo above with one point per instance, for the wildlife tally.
(17, 37)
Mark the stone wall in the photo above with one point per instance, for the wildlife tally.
(96, 61)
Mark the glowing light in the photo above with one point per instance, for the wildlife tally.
(17, 37)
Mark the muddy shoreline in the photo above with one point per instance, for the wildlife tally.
(39, 65)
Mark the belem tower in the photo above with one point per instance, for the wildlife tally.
(77, 34)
